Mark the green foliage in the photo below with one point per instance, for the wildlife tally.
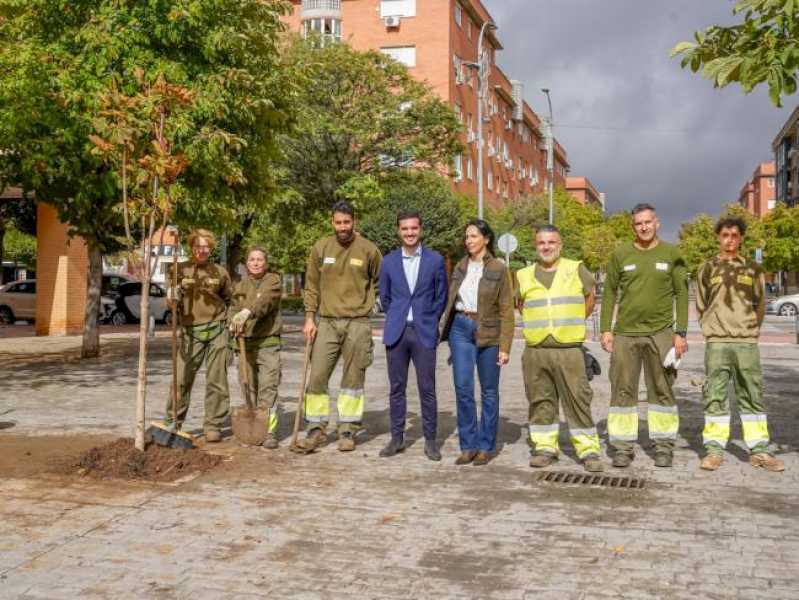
(601, 241)
(59, 62)
(426, 192)
(19, 247)
(763, 48)
(359, 113)
(781, 230)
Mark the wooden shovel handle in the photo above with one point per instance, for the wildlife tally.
(244, 367)
(298, 415)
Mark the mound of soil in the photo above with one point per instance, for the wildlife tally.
(121, 460)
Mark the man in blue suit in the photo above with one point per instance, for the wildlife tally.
(413, 293)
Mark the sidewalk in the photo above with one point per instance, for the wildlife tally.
(332, 525)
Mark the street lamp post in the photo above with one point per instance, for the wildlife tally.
(550, 159)
(483, 67)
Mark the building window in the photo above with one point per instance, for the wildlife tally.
(458, 15)
(402, 54)
(772, 204)
(458, 167)
(468, 28)
(329, 29)
(490, 180)
(469, 174)
(397, 8)
(770, 182)
(458, 112)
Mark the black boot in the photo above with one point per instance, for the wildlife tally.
(431, 450)
(394, 445)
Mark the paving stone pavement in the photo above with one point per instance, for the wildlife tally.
(332, 525)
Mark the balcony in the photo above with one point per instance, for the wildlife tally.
(313, 9)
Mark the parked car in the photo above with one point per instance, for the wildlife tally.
(128, 300)
(18, 301)
(785, 306)
(111, 283)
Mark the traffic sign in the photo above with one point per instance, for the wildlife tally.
(507, 243)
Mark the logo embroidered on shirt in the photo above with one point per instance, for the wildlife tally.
(662, 266)
(715, 280)
(330, 260)
(744, 279)
(629, 267)
(356, 262)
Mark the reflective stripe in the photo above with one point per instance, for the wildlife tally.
(664, 421)
(535, 303)
(585, 442)
(350, 406)
(717, 419)
(544, 428)
(272, 423)
(623, 410)
(755, 429)
(317, 408)
(536, 324)
(623, 424)
(667, 410)
(350, 392)
(568, 300)
(560, 322)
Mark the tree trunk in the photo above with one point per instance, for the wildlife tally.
(94, 284)
(235, 248)
(2, 238)
(144, 323)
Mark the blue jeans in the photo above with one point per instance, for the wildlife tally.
(465, 355)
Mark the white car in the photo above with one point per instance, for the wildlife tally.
(785, 306)
(128, 300)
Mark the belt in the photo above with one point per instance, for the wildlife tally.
(468, 315)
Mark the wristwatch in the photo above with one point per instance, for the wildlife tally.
(682, 334)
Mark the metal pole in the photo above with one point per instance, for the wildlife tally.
(481, 88)
(550, 159)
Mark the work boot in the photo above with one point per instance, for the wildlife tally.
(346, 442)
(482, 458)
(592, 464)
(622, 459)
(212, 436)
(711, 462)
(539, 461)
(466, 457)
(766, 461)
(394, 445)
(270, 443)
(313, 439)
(431, 450)
(663, 459)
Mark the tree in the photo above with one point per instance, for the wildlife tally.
(781, 230)
(57, 62)
(359, 113)
(17, 230)
(698, 241)
(426, 192)
(763, 48)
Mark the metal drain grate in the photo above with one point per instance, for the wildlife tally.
(607, 481)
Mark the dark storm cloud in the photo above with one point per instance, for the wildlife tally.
(639, 127)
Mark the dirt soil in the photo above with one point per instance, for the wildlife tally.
(121, 460)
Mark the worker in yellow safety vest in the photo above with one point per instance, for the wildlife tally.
(556, 295)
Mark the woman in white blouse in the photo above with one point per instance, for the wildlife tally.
(478, 323)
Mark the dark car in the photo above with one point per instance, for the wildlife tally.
(128, 302)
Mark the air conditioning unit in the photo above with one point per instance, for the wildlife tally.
(392, 21)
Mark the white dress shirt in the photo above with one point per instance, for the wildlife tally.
(410, 264)
(467, 295)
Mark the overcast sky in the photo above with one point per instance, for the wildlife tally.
(639, 127)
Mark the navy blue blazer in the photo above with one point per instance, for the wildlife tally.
(428, 300)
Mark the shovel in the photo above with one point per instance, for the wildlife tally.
(298, 416)
(250, 424)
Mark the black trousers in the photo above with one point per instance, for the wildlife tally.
(399, 356)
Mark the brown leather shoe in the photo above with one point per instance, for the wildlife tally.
(766, 461)
(593, 464)
(539, 461)
(212, 436)
(346, 442)
(270, 443)
(466, 457)
(482, 458)
(711, 462)
(313, 439)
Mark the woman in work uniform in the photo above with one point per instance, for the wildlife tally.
(202, 294)
(255, 314)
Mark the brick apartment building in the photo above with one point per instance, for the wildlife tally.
(758, 194)
(582, 190)
(786, 157)
(436, 40)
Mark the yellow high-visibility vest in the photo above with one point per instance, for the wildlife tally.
(558, 311)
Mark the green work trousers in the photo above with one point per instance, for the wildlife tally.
(350, 339)
(739, 363)
(263, 363)
(200, 345)
(630, 354)
(552, 375)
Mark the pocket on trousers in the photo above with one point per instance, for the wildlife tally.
(366, 353)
